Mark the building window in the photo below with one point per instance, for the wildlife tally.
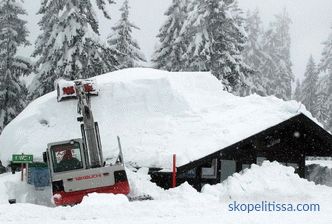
(189, 174)
(245, 166)
(211, 171)
(260, 160)
(294, 165)
(228, 167)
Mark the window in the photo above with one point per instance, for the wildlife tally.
(260, 160)
(189, 174)
(294, 165)
(228, 167)
(66, 157)
(245, 166)
(211, 171)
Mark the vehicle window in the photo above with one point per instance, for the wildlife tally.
(66, 157)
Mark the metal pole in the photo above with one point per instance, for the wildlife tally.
(120, 157)
(22, 169)
(174, 171)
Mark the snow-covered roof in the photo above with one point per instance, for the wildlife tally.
(156, 114)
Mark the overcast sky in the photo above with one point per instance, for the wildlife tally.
(312, 22)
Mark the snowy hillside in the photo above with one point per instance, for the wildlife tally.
(271, 182)
(155, 113)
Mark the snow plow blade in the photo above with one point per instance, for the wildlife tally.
(66, 89)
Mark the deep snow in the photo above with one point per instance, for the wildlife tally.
(156, 114)
(270, 182)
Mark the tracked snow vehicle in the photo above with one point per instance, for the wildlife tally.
(77, 167)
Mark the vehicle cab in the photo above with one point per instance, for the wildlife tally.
(72, 178)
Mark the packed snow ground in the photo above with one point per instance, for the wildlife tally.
(271, 182)
(156, 114)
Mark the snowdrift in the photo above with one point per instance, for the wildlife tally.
(269, 182)
(156, 114)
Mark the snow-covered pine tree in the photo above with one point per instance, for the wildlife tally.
(278, 65)
(69, 45)
(13, 33)
(326, 60)
(329, 115)
(321, 109)
(326, 66)
(191, 60)
(172, 46)
(309, 86)
(253, 54)
(122, 41)
(298, 91)
(218, 41)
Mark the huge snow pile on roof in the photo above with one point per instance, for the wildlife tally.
(272, 182)
(155, 113)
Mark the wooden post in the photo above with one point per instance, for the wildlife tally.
(174, 172)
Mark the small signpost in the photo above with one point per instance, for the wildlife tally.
(22, 158)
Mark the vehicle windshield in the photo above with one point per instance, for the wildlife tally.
(66, 157)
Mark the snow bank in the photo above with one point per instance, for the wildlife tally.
(156, 114)
(183, 204)
(11, 187)
(271, 181)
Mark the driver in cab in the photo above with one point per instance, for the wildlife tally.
(69, 162)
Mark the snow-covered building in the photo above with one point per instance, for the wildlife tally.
(158, 114)
(292, 143)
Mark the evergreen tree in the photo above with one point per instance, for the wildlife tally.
(321, 110)
(309, 86)
(69, 45)
(190, 59)
(277, 66)
(298, 91)
(218, 41)
(326, 66)
(169, 55)
(253, 54)
(329, 122)
(326, 61)
(121, 40)
(13, 33)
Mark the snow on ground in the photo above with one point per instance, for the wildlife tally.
(271, 182)
(156, 114)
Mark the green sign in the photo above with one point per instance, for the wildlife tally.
(22, 158)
